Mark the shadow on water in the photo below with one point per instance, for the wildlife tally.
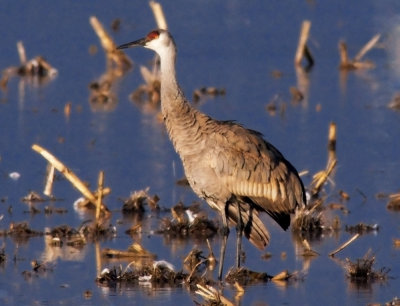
(151, 241)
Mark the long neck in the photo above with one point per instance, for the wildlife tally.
(172, 98)
(183, 122)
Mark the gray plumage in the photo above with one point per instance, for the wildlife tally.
(226, 164)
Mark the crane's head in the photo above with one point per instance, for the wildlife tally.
(157, 40)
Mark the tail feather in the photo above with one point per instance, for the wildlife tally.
(253, 228)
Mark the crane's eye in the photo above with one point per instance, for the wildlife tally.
(153, 35)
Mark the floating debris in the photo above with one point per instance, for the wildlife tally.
(394, 202)
(344, 245)
(50, 173)
(82, 204)
(276, 74)
(36, 70)
(199, 229)
(212, 296)
(135, 251)
(204, 92)
(188, 222)
(297, 95)
(344, 195)
(246, 277)
(116, 24)
(135, 229)
(114, 56)
(102, 96)
(282, 276)
(308, 223)
(62, 231)
(357, 63)
(183, 182)
(266, 256)
(192, 260)
(136, 201)
(395, 102)
(40, 266)
(307, 251)
(394, 302)
(98, 230)
(147, 96)
(157, 275)
(14, 176)
(321, 177)
(276, 104)
(361, 271)
(339, 206)
(3, 256)
(302, 49)
(159, 15)
(32, 196)
(87, 294)
(362, 228)
(72, 177)
(65, 234)
(20, 231)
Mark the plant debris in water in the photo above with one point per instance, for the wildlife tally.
(3, 256)
(395, 102)
(33, 196)
(212, 296)
(147, 96)
(37, 70)
(136, 201)
(38, 269)
(20, 230)
(66, 234)
(203, 92)
(188, 222)
(135, 251)
(246, 277)
(361, 228)
(156, 274)
(308, 224)
(394, 202)
(362, 271)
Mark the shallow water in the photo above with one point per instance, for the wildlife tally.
(231, 45)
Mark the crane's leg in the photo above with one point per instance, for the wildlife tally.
(225, 234)
(222, 256)
(239, 233)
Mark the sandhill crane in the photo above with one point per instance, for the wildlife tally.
(232, 168)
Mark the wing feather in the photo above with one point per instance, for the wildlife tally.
(251, 167)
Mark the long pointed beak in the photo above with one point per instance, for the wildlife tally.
(139, 42)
